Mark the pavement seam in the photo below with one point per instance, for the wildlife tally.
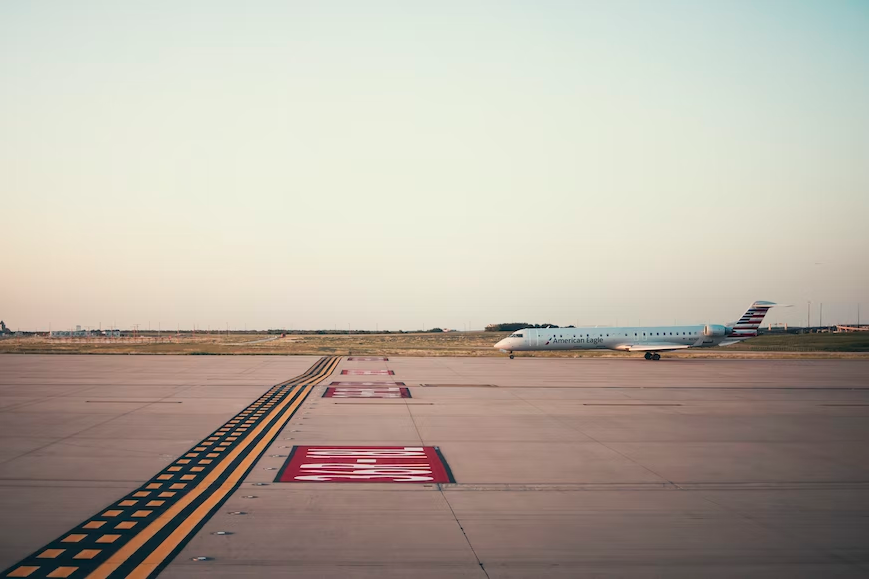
(462, 529)
(76, 433)
(63, 440)
(443, 495)
(605, 445)
(41, 400)
(754, 522)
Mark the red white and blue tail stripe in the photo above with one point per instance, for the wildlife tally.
(748, 324)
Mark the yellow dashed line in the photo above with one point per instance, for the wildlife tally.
(108, 538)
(255, 420)
(94, 524)
(159, 554)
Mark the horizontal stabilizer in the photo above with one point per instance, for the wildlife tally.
(656, 347)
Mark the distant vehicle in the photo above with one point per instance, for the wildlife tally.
(650, 340)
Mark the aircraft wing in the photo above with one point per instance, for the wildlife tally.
(656, 347)
(730, 342)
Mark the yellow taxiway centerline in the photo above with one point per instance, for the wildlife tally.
(146, 567)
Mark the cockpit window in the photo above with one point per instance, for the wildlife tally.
(515, 335)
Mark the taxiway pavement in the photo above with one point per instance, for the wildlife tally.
(562, 467)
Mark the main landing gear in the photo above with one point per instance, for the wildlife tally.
(651, 356)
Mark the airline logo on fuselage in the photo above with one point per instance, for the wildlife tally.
(554, 340)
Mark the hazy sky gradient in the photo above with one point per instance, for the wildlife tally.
(407, 164)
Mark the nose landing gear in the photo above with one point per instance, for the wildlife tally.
(511, 355)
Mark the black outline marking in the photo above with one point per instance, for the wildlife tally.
(145, 550)
(287, 392)
(444, 462)
(437, 449)
(409, 393)
(348, 384)
(286, 464)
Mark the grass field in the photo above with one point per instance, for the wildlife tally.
(854, 342)
(415, 344)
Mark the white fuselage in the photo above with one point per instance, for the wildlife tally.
(607, 338)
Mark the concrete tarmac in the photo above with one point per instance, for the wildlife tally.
(78, 432)
(563, 467)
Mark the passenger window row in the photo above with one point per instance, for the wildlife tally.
(665, 333)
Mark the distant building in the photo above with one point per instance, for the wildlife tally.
(79, 333)
(860, 328)
(69, 334)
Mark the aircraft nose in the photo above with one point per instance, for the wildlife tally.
(501, 345)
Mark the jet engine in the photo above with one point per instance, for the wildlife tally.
(714, 331)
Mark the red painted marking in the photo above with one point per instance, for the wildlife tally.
(384, 383)
(367, 359)
(413, 464)
(367, 372)
(367, 392)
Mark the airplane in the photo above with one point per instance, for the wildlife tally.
(650, 340)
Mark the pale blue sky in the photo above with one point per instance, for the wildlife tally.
(408, 164)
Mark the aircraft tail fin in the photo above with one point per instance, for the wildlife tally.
(750, 321)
